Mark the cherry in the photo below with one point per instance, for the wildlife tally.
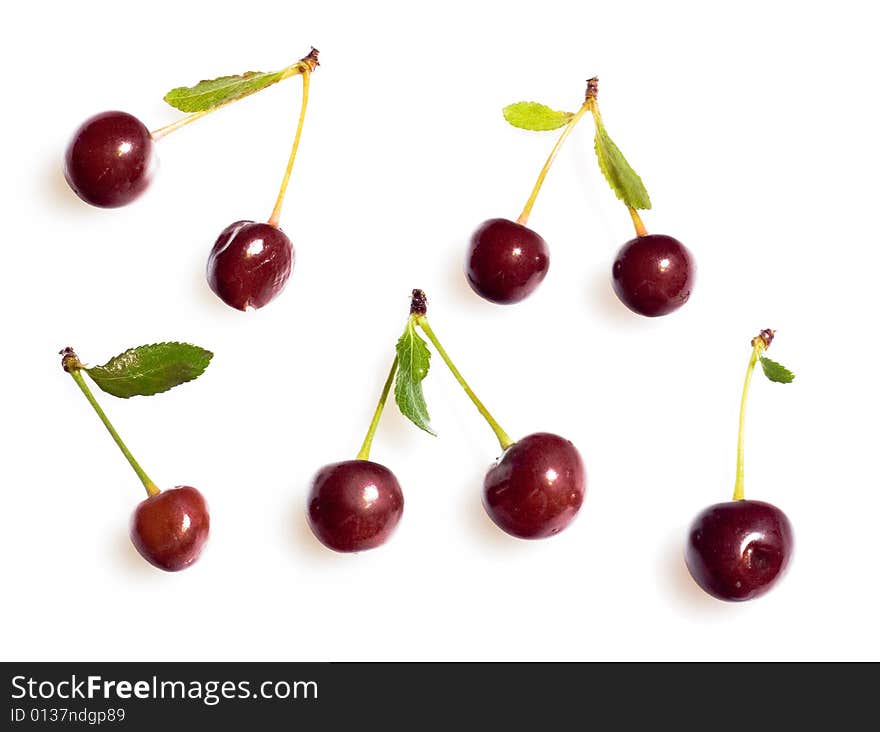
(249, 264)
(354, 505)
(110, 160)
(506, 261)
(653, 274)
(739, 549)
(170, 528)
(537, 486)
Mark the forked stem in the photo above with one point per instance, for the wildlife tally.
(569, 126)
(364, 453)
(302, 66)
(73, 366)
(279, 202)
(503, 439)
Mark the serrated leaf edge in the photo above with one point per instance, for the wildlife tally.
(410, 330)
(566, 116)
(230, 78)
(775, 364)
(210, 356)
(641, 206)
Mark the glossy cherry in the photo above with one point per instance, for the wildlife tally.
(537, 486)
(506, 261)
(354, 505)
(653, 274)
(739, 549)
(110, 160)
(249, 264)
(170, 528)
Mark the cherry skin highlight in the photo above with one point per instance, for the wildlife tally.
(653, 274)
(354, 505)
(170, 528)
(110, 159)
(506, 261)
(537, 486)
(249, 264)
(739, 549)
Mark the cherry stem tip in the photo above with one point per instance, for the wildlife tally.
(419, 303)
(592, 88)
(765, 336)
(311, 59)
(69, 360)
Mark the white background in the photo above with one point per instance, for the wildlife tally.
(754, 126)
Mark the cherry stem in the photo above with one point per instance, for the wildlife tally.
(503, 439)
(75, 371)
(161, 132)
(759, 344)
(527, 209)
(637, 222)
(276, 212)
(302, 66)
(364, 453)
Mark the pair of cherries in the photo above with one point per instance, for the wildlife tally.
(111, 160)
(533, 491)
(652, 274)
(506, 260)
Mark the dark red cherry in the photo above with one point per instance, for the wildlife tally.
(738, 550)
(110, 160)
(506, 261)
(170, 528)
(354, 505)
(249, 264)
(653, 274)
(536, 487)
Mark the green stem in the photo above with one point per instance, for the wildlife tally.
(593, 106)
(161, 132)
(527, 209)
(276, 212)
(151, 487)
(739, 487)
(502, 436)
(364, 453)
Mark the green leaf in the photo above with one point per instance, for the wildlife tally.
(534, 116)
(776, 371)
(624, 181)
(214, 92)
(148, 370)
(413, 359)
